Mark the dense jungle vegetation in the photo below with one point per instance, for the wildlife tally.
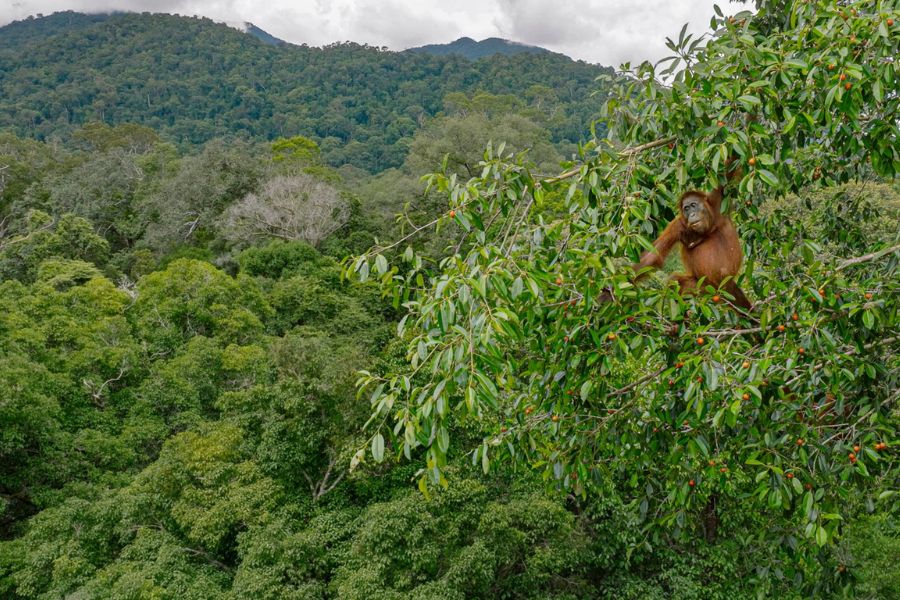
(218, 340)
(192, 80)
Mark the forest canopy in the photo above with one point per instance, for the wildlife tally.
(289, 322)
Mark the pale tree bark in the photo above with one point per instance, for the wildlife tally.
(296, 207)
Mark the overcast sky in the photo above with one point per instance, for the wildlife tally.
(599, 31)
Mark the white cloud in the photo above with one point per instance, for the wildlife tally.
(608, 32)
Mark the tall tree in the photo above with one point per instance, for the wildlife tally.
(773, 425)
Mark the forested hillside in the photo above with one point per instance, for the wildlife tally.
(474, 50)
(280, 322)
(191, 80)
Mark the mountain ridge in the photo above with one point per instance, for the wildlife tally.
(475, 50)
(69, 20)
(191, 79)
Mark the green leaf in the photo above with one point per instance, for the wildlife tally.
(517, 287)
(443, 439)
(768, 177)
(378, 447)
(381, 264)
(586, 388)
(821, 536)
(868, 319)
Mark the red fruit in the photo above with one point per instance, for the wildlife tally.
(843, 76)
(868, 296)
(856, 449)
(559, 281)
(851, 456)
(780, 328)
(678, 365)
(847, 86)
(723, 470)
(752, 161)
(554, 418)
(801, 351)
(790, 475)
(717, 298)
(700, 341)
(565, 338)
(529, 410)
(800, 441)
(610, 411)
(808, 486)
(746, 397)
(452, 213)
(712, 463)
(611, 337)
(795, 317)
(700, 379)
(890, 22)
(503, 430)
(691, 483)
(746, 364)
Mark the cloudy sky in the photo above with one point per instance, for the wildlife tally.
(600, 31)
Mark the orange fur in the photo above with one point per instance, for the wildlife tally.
(710, 250)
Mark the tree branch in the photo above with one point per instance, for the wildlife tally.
(728, 332)
(634, 384)
(626, 152)
(850, 352)
(208, 557)
(867, 257)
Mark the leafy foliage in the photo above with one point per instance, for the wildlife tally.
(193, 80)
(688, 408)
(179, 412)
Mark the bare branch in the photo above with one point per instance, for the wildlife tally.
(298, 207)
(867, 257)
(634, 384)
(729, 332)
(208, 557)
(624, 153)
